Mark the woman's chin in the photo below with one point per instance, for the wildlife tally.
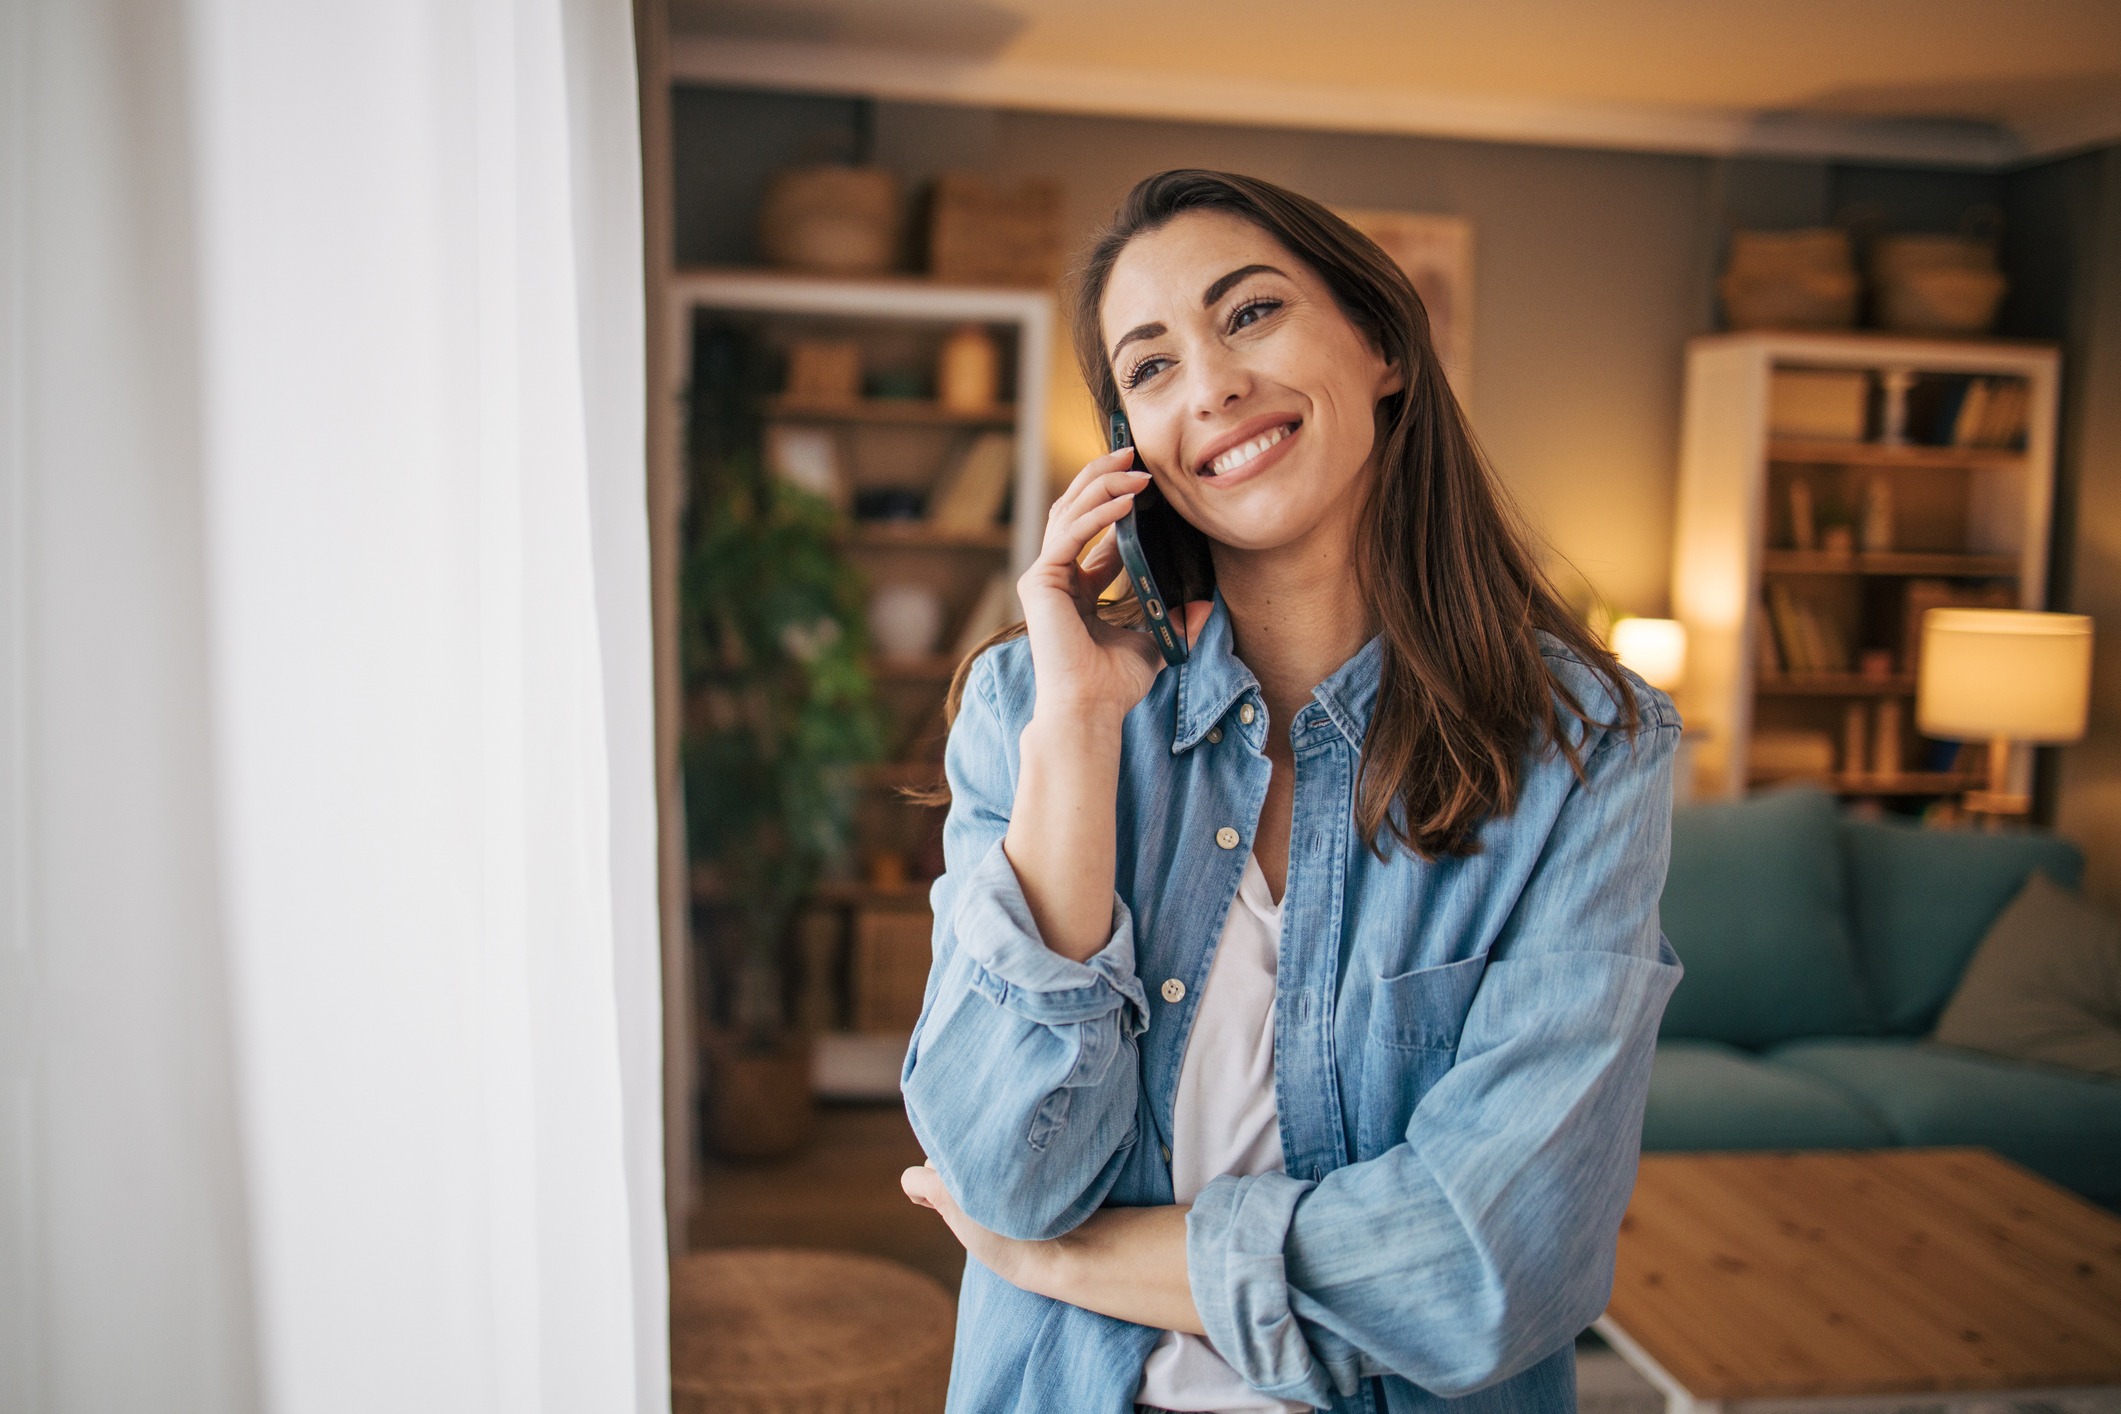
(1253, 534)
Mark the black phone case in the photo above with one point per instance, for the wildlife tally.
(1155, 617)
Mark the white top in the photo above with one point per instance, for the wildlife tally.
(1223, 1121)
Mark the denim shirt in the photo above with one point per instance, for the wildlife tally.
(1462, 1051)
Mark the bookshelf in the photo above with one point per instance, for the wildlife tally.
(864, 941)
(1832, 488)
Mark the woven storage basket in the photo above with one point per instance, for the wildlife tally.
(777, 1330)
(1931, 284)
(833, 220)
(1816, 250)
(983, 235)
(1790, 280)
(1803, 300)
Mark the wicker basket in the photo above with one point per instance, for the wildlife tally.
(1816, 249)
(832, 220)
(979, 235)
(1814, 299)
(775, 1330)
(1790, 280)
(1942, 301)
(1930, 284)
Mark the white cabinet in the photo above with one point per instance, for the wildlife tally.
(1802, 561)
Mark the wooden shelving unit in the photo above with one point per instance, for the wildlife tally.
(912, 535)
(873, 933)
(907, 411)
(1970, 523)
(1945, 566)
(1820, 451)
(1834, 685)
(1908, 783)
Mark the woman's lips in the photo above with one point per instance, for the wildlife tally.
(1257, 458)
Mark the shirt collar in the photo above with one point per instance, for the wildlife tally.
(1213, 677)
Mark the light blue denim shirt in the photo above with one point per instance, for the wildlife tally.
(1462, 1050)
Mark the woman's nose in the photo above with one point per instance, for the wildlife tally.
(1219, 382)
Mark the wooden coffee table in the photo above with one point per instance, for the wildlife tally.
(1875, 1277)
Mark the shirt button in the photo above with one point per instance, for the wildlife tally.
(1245, 714)
(1215, 734)
(1174, 990)
(1226, 837)
(1165, 1150)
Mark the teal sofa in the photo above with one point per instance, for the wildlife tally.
(1819, 951)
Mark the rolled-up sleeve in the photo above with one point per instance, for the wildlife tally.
(1483, 1241)
(1021, 1080)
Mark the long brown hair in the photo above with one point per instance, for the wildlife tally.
(1464, 691)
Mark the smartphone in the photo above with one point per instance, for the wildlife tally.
(1134, 550)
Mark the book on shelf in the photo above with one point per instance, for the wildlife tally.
(1973, 408)
(1989, 412)
(969, 495)
(1809, 641)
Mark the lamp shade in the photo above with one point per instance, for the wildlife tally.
(1655, 649)
(2004, 673)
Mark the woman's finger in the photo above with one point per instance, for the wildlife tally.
(1110, 462)
(914, 1182)
(1102, 557)
(1101, 491)
(1065, 540)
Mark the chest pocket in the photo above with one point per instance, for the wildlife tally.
(1415, 1021)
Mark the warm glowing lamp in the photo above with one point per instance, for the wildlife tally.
(1654, 649)
(2003, 675)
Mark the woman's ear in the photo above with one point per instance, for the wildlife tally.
(1392, 380)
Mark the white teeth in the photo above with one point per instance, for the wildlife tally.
(1237, 456)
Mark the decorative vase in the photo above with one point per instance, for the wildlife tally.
(968, 375)
(905, 620)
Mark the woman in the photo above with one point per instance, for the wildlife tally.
(1292, 1010)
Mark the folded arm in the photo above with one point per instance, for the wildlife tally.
(1484, 1241)
(1021, 1081)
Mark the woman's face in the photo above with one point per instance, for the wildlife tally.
(1252, 397)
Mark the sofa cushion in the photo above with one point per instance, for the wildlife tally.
(1754, 906)
(2064, 1125)
(1706, 1095)
(1921, 900)
(2044, 986)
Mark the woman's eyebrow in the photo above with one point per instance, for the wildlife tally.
(1213, 293)
(1223, 286)
(1139, 331)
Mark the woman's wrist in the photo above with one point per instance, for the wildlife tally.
(1074, 729)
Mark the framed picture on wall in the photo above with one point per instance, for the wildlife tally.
(1437, 254)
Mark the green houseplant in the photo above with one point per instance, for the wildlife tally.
(779, 715)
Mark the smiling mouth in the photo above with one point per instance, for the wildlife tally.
(1244, 452)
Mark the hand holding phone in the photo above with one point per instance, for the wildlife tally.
(1156, 609)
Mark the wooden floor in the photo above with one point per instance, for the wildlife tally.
(840, 1192)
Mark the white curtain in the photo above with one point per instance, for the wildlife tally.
(331, 1018)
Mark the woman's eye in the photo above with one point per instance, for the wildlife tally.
(1147, 368)
(1254, 312)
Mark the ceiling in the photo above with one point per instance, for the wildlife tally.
(1980, 83)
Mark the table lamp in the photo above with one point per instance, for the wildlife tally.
(2003, 675)
(1654, 649)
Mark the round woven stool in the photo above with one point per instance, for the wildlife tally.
(783, 1330)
